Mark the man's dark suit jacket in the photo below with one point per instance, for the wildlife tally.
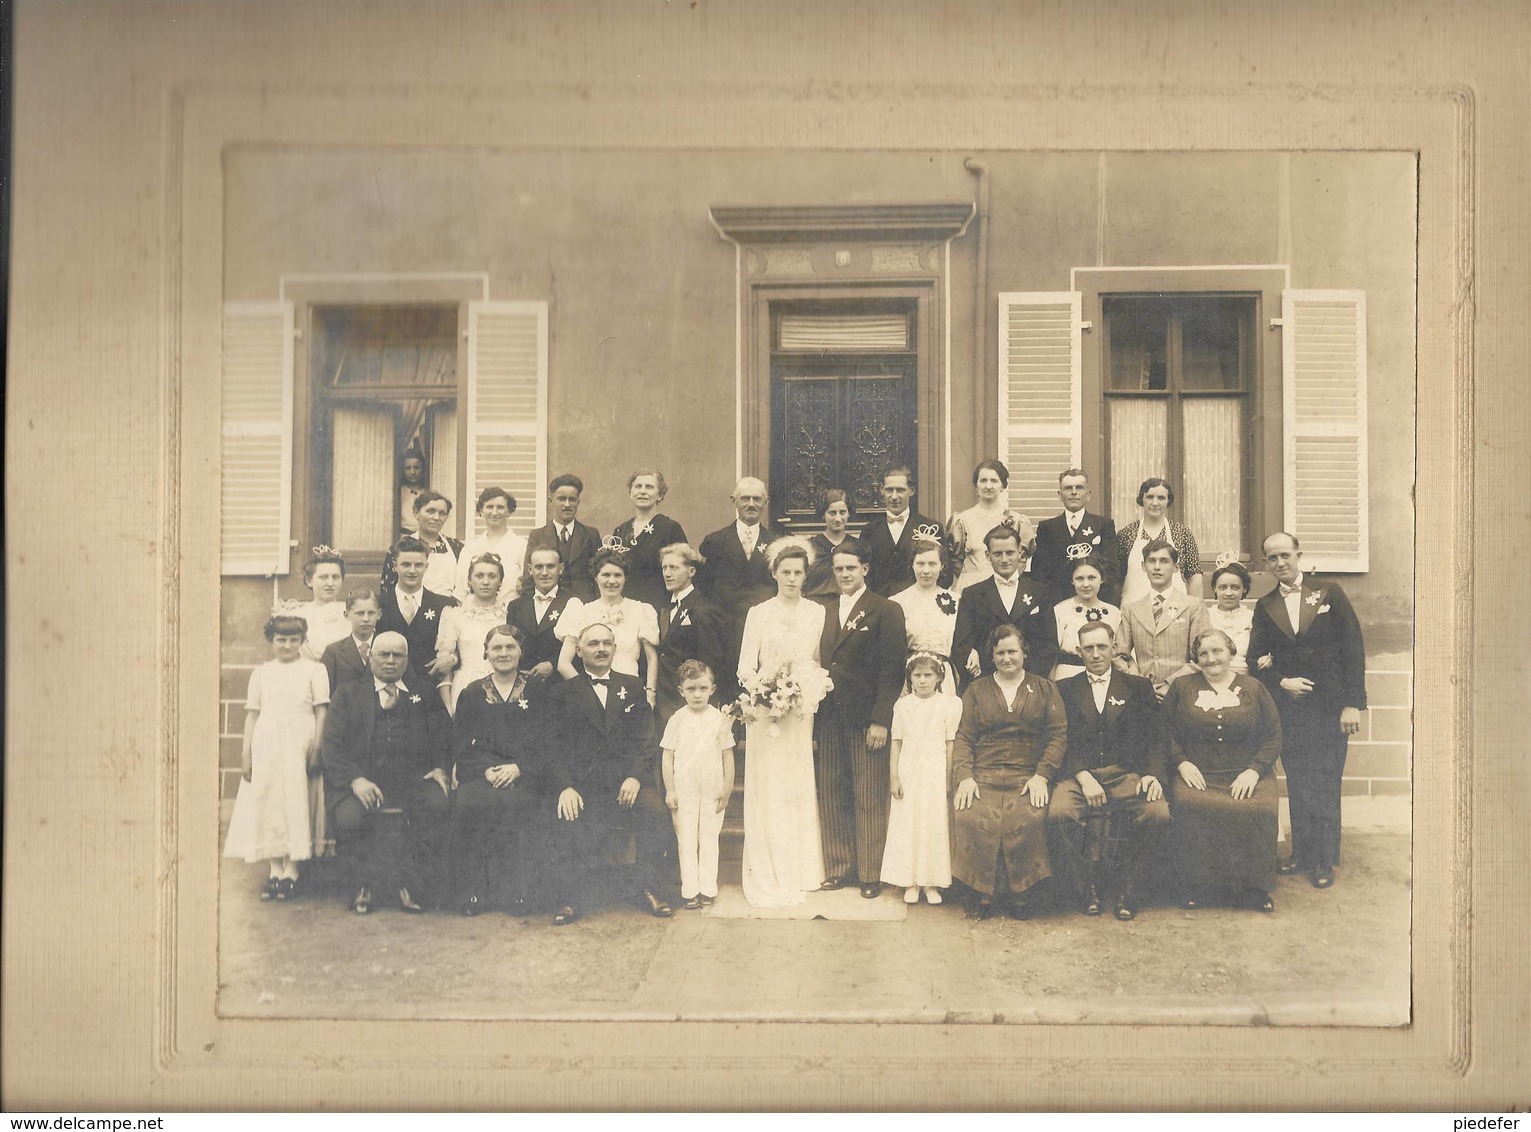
(583, 543)
(595, 749)
(1128, 734)
(346, 753)
(732, 582)
(980, 612)
(1326, 647)
(892, 567)
(1052, 564)
(865, 661)
(344, 663)
(421, 634)
(693, 630)
(542, 643)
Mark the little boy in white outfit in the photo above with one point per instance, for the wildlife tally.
(698, 767)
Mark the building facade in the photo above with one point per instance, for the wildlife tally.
(1242, 324)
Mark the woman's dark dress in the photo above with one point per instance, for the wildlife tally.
(1220, 841)
(1001, 749)
(491, 828)
(820, 581)
(644, 581)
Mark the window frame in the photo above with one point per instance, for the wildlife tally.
(1263, 493)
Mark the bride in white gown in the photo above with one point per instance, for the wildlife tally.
(783, 855)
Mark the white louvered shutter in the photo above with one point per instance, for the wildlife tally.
(1323, 364)
(256, 489)
(1039, 394)
(507, 405)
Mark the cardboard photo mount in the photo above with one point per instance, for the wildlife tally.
(110, 957)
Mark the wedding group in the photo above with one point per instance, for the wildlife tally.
(1018, 714)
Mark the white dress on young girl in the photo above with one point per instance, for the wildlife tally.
(279, 812)
(326, 624)
(698, 739)
(919, 850)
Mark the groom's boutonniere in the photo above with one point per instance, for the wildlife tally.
(854, 622)
(684, 618)
(1315, 597)
(621, 693)
(1114, 702)
(1027, 598)
(1088, 531)
(414, 699)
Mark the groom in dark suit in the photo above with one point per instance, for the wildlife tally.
(1305, 646)
(1007, 597)
(1076, 533)
(575, 543)
(1116, 759)
(890, 539)
(601, 767)
(385, 753)
(863, 648)
(734, 574)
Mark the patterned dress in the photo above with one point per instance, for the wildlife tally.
(964, 539)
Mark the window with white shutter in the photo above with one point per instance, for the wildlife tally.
(507, 395)
(1323, 353)
(1039, 394)
(256, 491)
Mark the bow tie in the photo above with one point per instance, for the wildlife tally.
(1287, 591)
(1009, 583)
(1105, 679)
(602, 680)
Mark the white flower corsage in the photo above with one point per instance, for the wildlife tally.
(1315, 597)
(1114, 702)
(414, 699)
(1209, 700)
(851, 625)
(621, 693)
(1028, 599)
(430, 615)
(1090, 531)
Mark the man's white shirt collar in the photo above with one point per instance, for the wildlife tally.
(378, 683)
(676, 599)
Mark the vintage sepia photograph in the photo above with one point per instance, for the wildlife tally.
(921, 586)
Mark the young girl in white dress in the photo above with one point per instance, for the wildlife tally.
(324, 574)
(918, 851)
(465, 628)
(277, 806)
(1230, 585)
(783, 848)
(1074, 613)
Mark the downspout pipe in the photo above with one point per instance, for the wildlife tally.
(981, 301)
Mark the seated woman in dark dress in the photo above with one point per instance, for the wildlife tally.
(1009, 747)
(496, 737)
(1224, 738)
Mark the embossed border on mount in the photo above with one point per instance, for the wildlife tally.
(200, 120)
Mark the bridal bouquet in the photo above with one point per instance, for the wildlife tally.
(793, 689)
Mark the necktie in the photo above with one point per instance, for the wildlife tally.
(365, 648)
(1158, 607)
(408, 605)
(563, 536)
(388, 696)
(749, 542)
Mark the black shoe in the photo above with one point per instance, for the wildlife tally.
(691, 904)
(1092, 904)
(1021, 910)
(980, 910)
(1262, 902)
(1191, 903)
(1125, 909)
(706, 900)
(286, 887)
(833, 883)
(518, 907)
(363, 902)
(273, 886)
(1291, 867)
(565, 916)
(872, 889)
(654, 906)
(1323, 877)
(472, 906)
(408, 903)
